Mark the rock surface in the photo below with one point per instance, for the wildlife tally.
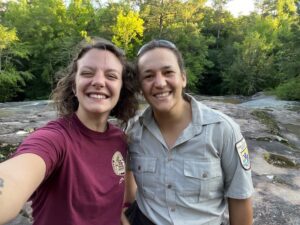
(277, 189)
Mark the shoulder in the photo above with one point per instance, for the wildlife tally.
(210, 116)
(115, 130)
(55, 127)
(137, 121)
(54, 132)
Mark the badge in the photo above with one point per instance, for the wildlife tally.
(118, 164)
(242, 150)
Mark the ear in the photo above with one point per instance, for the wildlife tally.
(74, 90)
(184, 79)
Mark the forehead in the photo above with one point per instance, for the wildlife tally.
(100, 58)
(156, 59)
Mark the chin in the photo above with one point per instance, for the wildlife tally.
(161, 109)
(99, 111)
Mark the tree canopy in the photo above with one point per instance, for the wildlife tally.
(223, 54)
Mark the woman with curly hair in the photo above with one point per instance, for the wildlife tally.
(73, 168)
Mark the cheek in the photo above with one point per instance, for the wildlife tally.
(81, 83)
(117, 88)
(144, 86)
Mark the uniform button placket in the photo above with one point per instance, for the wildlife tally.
(170, 184)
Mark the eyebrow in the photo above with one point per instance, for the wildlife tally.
(94, 68)
(161, 68)
(87, 67)
(114, 70)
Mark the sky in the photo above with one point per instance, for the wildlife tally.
(240, 7)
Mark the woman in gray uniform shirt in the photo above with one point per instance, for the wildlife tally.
(189, 161)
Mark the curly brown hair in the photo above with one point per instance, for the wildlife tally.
(65, 100)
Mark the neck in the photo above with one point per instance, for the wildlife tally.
(182, 112)
(94, 122)
(171, 124)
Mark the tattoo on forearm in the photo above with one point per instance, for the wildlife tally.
(1, 184)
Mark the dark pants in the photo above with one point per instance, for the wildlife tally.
(136, 217)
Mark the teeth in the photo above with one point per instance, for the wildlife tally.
(161, 95)
(98, 96)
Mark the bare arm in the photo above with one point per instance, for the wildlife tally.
(129, 197)
(19, 178)
(240, 211)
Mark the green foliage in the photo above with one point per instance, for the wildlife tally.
(7, 37)
(223, 54)
(12, 82)
(128, 30)
(289, 90)
(221, 31)
(194, 47)
(252, 69)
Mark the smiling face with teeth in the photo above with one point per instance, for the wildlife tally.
(162, 81)
(98, 84)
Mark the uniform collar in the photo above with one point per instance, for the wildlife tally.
(201, 116)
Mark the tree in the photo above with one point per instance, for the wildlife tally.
(128, 29)
(219, 6)
(12, 81)
(7, 37)
(252, 70)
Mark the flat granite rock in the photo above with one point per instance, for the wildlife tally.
(276, 200)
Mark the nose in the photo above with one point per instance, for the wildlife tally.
(160, 80)
(98, 79)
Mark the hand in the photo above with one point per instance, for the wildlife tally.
(124, 220)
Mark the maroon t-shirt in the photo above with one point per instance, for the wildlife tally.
(84, 182)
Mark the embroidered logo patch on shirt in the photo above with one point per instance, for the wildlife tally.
(118, 164)
(242, 150)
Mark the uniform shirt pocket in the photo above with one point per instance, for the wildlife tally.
(202, 180)
(144, 169)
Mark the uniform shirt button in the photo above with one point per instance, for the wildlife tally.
(173, 209)
(169, 186)
(139, 167)
(204, 175)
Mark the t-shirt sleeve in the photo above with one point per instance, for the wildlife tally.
(48, 143)
(236, 163)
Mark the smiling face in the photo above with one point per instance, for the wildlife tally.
(161, 80)
(98, 83)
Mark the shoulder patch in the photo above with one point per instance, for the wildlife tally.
(118, 164)
(242, 150)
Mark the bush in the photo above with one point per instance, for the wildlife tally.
(289, 90)
(12, 82)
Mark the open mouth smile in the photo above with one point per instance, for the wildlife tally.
(97, 96)
(162, 94)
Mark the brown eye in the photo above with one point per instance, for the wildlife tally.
(169, 72)
(148, 77)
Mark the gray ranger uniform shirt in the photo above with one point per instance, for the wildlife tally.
(189, 183)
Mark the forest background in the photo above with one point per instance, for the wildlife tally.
(224, 55)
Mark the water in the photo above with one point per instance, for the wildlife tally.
(25, 104)
(14, 109)
(271, 102)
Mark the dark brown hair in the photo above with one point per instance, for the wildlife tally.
(162, 44)
(65, 100)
